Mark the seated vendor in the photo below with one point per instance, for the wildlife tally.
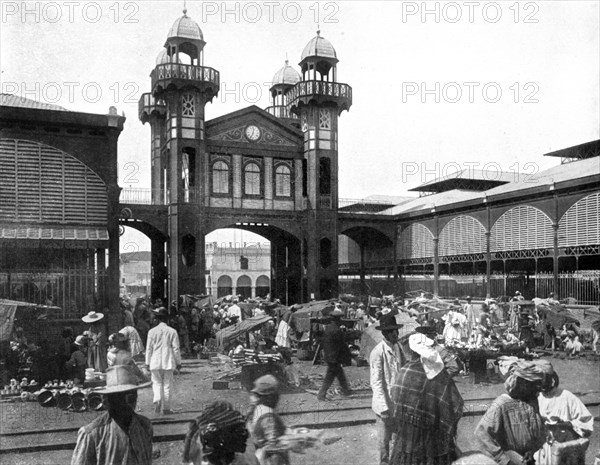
(77, 364)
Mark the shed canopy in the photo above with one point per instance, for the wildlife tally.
(226, 337)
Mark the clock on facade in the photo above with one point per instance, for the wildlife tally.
(253, 133)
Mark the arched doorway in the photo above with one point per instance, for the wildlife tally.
(224, 286)
(257, 249)
(263, 286)
(143, 255)
(243, 287)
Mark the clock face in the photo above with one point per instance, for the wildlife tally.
(253, 133)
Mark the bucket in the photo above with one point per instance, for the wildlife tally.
(78, 402)
(94, 401)
(46, 398)
(63, 401)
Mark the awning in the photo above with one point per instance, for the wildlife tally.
(98, 237)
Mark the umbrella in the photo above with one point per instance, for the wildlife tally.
(316, 309)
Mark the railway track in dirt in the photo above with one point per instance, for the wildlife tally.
(173, 428)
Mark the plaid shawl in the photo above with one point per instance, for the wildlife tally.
(426, 412)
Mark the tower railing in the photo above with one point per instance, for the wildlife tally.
(169, 71)
(336, 90)
(148, 104)
(280, 111)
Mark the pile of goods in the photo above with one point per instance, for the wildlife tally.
(72, 399)
(16, 389)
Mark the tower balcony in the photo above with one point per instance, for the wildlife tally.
(281, 111)
(179, 76)
(148, 105)
(320, 92)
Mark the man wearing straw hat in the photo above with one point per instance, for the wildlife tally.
(119, 435)
(386, 359)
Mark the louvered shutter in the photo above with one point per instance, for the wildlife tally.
(462, 235)
(41, 183)
(522, 228)
(417, 242)
(580, 225)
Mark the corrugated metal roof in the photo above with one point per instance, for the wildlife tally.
(11, 100)
(142, 256)
(13, 231)
(566, 172)
(491, 176)
(434, 200)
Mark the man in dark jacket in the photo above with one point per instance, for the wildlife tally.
(336, 352)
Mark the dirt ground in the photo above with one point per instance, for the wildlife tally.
(356, 444)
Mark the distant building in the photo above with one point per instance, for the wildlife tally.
(136, 275)
(240, 269)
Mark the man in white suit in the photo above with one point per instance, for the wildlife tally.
(162, 358)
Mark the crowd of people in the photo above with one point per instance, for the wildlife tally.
(416, 402)
(418, 407)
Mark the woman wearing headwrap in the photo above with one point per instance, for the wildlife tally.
(217, 437)
(566, 417)
(512, 430)
(426, 407)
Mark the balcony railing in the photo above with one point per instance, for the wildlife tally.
(140, 196)
(172, 71)
(335, 90)
(148, 104)
(281, 111)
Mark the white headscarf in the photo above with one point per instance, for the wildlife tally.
(430, 358)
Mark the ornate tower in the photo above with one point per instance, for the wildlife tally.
(181, 87)
(318, 100)
(283, 80)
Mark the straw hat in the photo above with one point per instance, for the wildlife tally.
(81, 341)
(122, 378)
(93, 317)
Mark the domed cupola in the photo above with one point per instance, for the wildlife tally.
(286, 76)
(284, 79)
(185, 40)
(163, 57)
(320, 57)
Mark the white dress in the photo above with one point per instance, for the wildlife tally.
(566, 406)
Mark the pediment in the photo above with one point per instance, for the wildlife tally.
(232, 128)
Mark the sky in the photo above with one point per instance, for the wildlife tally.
(437, 86)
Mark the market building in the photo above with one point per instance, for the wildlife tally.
(273, 172)
(59, 206)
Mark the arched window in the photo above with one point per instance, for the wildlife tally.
(283, 181)
(252, 179)
(220, 178)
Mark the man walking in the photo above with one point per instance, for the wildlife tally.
(162, 358)
(336, 352)
(119, 435)
(386, 359)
